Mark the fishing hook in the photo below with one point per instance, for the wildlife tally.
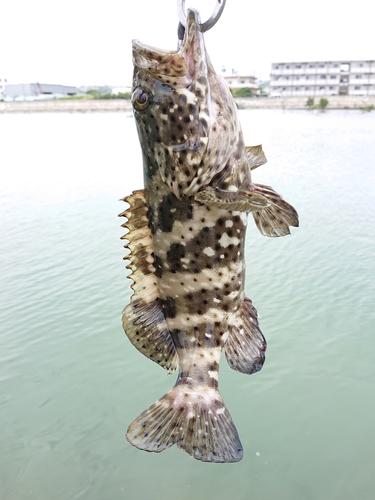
(220, 4)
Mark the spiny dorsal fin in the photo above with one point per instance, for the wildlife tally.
(274, 220)
(245, 347)
(143, 319)
(255, 156)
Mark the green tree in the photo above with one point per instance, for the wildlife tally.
(243, 92)
(323, 103)
(310, 102)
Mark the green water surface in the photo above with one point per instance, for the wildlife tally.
(70, 381)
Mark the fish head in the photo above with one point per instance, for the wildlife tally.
(175, 116)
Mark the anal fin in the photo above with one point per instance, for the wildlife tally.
(143, 319)
(245, 347)
(275, 219)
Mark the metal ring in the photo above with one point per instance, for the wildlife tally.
(220, 4)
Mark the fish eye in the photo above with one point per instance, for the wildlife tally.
(140, 99)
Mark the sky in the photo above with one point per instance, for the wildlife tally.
(82, 42)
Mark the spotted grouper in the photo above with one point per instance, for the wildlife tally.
(186, 233)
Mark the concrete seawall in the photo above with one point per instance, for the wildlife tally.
(92, 105)
(334, 102)
(66, 106)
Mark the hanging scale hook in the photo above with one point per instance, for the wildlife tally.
(220, 4)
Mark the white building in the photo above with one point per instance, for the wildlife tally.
(240, 82)
(34, 91)
(3, 81)
(323, 78)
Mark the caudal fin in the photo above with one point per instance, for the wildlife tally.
(198, 422)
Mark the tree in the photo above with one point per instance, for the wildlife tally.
(242, 92)
(310, 102)
(323, 103)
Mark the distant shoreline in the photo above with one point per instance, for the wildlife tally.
(124, 105)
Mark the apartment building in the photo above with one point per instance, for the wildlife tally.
(322, 78)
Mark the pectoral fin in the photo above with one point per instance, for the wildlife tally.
(275, 219)
(241, 200)
(143, 319)
(255, 156)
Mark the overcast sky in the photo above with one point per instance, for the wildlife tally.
(82, 42)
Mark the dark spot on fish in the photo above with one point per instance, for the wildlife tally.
(203, 122)
(169, 307)
(174, 256)
(183, 210)
(158, 266)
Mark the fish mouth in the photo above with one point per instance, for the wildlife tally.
(173, 64)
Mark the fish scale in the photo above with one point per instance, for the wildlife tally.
(186, 234)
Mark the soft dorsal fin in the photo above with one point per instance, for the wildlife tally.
(255, 156)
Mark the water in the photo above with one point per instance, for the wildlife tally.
(70, 380)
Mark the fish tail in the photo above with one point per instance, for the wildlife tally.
(198, 422)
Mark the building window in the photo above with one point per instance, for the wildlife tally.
(358, 76)
(321, 65)
(357, 88)
(298, 66)
(323, 77)
(287, 67)
(311, 65)
(333, 77)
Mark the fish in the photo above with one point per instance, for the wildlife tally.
(186, 237)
